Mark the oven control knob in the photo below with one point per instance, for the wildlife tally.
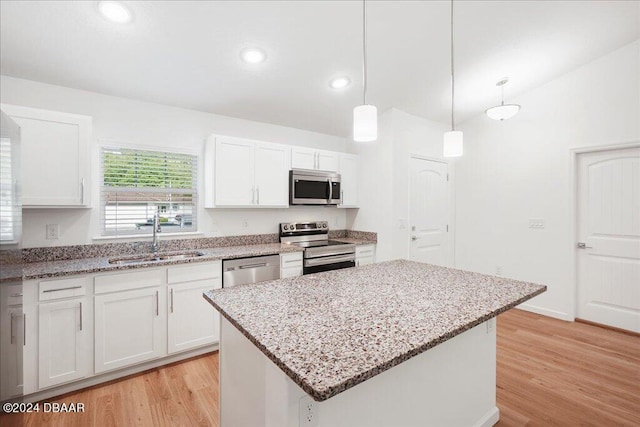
(324, 225)
(286, 227)
(293, 227)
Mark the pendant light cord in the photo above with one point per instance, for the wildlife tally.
(364, 52)
(452, 74)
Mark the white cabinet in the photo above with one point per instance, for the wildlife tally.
(65, 331)
(55, 156)
(290, 264)
(246, 173)
(192, 322)
(350, 176)
(365, 254)
(12, 322)
(64, 341)
(308, 158)
(130, 320)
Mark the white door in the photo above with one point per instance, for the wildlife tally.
(234, 172)
(328, 161)
(272, 174)
(303, 158)
(192, 323)
(609, 226)
(349, 174)
(130, 328)
(64, 342)
(429, 211)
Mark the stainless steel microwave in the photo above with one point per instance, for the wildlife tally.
(311, 187)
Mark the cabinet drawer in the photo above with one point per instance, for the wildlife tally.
(12, 295)
(365, 250)
(127, 281)
(293, 259)
(194, 271)
(64, 288)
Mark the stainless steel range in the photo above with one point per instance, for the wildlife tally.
(320, 253)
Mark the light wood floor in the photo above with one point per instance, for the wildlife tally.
(550, 373)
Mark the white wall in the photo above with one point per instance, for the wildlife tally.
(520, 169)
(159, 126)
(384, 196)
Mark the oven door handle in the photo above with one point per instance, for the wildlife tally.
(311, 262)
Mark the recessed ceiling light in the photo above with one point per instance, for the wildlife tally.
(339, 82)
(115, 11)
(253, 55)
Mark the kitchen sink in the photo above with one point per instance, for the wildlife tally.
(174, 256)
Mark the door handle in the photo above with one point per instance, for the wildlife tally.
(584, 246)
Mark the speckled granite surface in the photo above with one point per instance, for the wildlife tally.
(331, 331)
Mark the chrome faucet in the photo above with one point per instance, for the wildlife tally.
(156, 229)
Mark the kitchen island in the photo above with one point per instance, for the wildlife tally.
(397, 343)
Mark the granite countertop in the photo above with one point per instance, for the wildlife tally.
(331, 331)
(39, 270)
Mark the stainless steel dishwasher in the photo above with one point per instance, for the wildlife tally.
(250, 270)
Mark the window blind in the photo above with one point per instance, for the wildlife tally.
(136, 184)
(9, 217)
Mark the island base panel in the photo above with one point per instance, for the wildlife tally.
(452, 384)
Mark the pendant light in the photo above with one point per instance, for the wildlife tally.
(502, 111)
(453, 139)
(365, 116)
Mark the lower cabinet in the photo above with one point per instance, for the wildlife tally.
(130, 328)
(290, 264)
(12, 320)
(64, 341)
(365, 254)
(192, 320)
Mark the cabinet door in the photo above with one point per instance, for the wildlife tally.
(192, 321)
(64, 341)
(234, 172)
(55, 156)
(130, 327)
(272, 174)
(11, 341)
(365, 254)
(303, 158)
(328, 161)
(349, 172)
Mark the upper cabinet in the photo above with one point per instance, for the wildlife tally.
(55, 156)
(309, 158)
(246, 173)
(349, 174)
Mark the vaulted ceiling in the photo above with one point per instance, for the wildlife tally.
(186, 53)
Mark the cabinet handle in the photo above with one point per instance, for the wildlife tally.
(61, 289)
(13, 336)
(253, 195)
(317, 162)
(157, 303)
(16, 295)
(172, 300)
(258, 195)
(81, 316)
(24, 329)
(82, 191)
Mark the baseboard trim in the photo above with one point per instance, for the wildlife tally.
(611, 328)
(547, 312)
(114, 375)
(489, 419)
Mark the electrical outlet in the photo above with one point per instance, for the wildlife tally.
(498, 270)
(308, 412)
(53, 231)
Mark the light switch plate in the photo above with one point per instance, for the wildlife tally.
(53, 231)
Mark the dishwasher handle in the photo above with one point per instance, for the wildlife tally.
(262, 264)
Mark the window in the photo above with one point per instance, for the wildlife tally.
(136, 184)
(9, 205)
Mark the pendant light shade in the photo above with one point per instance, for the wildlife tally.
(365, 123)
(365, 116)
(502, 111)
(452, 143)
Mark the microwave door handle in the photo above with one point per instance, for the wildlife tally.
(330, 190)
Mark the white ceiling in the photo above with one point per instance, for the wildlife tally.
(186, 53)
